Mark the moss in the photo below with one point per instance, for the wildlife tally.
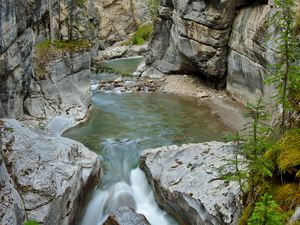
(80, 3)
(289, 156)
(287, 196)
(47, 51)
(31, 222)
(142, 34)
(246, 215)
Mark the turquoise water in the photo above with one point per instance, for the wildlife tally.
(123, 66)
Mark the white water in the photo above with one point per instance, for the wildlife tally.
(137, 194)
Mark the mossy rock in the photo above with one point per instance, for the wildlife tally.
(47, 51)
(287, 196)
(289, 154)
(246, 215)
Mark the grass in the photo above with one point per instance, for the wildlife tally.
(47, 51)
(143, 34)
(80, 3)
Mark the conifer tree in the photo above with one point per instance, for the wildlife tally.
(266, 212)
(285, 73)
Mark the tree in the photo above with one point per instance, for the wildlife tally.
(249, 165)
(266, 212)
(285, 73)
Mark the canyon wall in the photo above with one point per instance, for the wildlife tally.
(221, 41)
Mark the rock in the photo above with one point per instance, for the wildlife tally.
(50, 173)
(119, 18)
(62, 89)
(192, 37)
(250, 54)
(126, 216)
(184, 180)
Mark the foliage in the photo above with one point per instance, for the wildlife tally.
(250, 165)
(47, 51)
(80, 3)
(142, 34)
(31, 222)
(246, 214)
(285, 74)
(266, 212)
(287, 195)
(153, 6)
(289, 155)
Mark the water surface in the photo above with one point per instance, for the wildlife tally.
(120, 127)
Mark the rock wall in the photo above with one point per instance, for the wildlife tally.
(61, 85)
(250, 54)
(24, 24)
(215, 40)
(120, 18)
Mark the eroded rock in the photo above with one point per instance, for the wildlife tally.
(49, 175)
(185, 182)
(126, 216)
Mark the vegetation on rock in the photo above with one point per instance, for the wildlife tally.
(143, 34)
(47, 51)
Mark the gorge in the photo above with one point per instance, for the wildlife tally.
(204, 58)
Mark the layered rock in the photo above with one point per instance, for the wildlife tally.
(185, 182)
(22, 25)
(250, 53)
(119, 18)
(192, 37)
(44, 175)
(61, 84)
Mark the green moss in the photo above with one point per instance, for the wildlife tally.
(287, 196)
(289, 156)
(246, 215)
(47, 51)
(80, 3)
(31, 222)
(142, 34)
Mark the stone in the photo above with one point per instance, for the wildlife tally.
(126, 216)
(120, 18)
(192, 37)
(250, 54)
(186, 185)
(49, 175)
(65, 89)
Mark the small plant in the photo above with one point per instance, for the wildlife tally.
(153, 6)
(266, 212)
(142, 34)
(31, 222)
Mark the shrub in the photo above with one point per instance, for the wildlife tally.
(31, 222)
(266, 212)
(142, 34)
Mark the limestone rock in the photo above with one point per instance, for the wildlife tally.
(49, 173)
(192, 37)
(126, 216)
(185, 185)
(64, 89)
(250, 54)
(119, 18)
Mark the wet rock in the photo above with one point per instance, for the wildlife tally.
(44, 175)
(126, 216)
(184, 180)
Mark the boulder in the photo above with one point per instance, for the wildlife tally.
(185, 183)
(126, 216)
(44, 175)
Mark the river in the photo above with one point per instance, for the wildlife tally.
(123, 125)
